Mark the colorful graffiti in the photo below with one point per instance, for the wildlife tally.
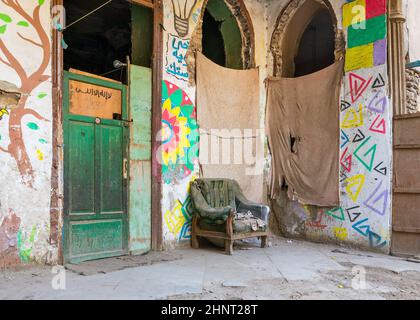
(26, 243)
(25, 130)
(365, 142)
(30, 79)
(365, 21)
(176, 51)
(182, 10)
(179, 134)
(179, 219)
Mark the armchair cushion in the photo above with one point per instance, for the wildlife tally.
(250, 224)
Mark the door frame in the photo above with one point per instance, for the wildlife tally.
(57, 182)
(67, 117)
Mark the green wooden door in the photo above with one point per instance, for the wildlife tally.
(95, 179)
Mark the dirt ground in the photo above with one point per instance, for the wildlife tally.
(287, 270)
(382, 285)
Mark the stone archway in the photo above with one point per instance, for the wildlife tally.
(295, 16)
(240, 12)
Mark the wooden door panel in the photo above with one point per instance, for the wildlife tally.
(95, 192)
(96, 239)
(406, 190)
(111, 169)
(81, 158)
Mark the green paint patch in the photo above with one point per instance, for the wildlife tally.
(375, 30)
(41, 2)
(42, 95)
(5, 18)
(3, 29)
(23, 24)
(26, 244)
(43, 141)
(32, 126)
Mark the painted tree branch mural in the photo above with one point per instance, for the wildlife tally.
(29, 80)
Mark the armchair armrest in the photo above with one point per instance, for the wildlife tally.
(259, 210)
(204, 211)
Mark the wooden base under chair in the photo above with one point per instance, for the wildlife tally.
(229, 237)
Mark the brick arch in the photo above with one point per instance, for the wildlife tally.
(278, 46)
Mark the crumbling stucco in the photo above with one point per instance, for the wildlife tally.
(9, 97)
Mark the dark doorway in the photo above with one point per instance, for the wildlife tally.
(316, 47)
(116, 31)
(222, 38)
(213, 44)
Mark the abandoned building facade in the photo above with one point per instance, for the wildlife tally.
(100, 120)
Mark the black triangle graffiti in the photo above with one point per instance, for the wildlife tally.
(379, 82)
(382, 170)
(345, 105)
(359, 136)
(353, 216)
(343, 176)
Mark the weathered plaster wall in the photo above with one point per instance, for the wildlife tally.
(26, 133)
(363, 218)
(180, 165)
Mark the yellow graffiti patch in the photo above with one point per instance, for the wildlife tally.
(355, 185)
(353, 118)
(174, 219)
(354, 12)
(39, 155)
(359, 57)
(341, 233)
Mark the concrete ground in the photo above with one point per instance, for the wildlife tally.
(288, 269)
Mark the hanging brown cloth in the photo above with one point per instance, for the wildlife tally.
(229, 100)
(302, 125)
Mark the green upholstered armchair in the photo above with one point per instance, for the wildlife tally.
(223, 212)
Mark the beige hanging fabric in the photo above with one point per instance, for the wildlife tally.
(228, 109)
(302, 125)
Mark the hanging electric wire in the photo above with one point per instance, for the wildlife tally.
(87, 15)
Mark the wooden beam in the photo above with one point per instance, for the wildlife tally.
(146, 3)
(157, 230)
(57, 187)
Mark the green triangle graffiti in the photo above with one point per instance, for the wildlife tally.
(371, 152)
(337, 213)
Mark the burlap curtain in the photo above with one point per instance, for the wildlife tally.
(302, 125)
(228, 102)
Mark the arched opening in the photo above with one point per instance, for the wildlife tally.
(306, 38)
(316, 47)
(221, 35)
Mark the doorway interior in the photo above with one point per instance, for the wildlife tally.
(107, 108)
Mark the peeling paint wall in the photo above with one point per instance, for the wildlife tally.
(363, 218)
(180, 165)
(26, 132)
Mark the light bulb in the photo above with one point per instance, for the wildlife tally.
(182, 14)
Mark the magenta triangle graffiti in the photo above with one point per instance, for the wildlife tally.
(378, 125)
(378, 200)
(358, 85)
(346, 160)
